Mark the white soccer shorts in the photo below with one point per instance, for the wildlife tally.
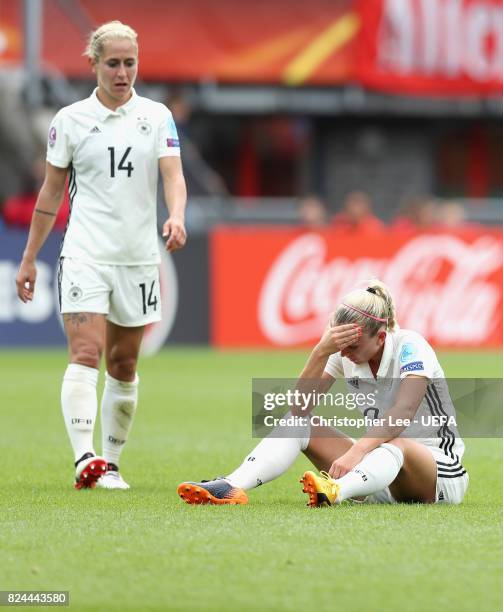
(128, 295)
(452, 481)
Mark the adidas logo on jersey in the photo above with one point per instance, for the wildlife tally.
(441, 496)
(95, 130)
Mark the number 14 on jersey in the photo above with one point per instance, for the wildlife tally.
(122, 164)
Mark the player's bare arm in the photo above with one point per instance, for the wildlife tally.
(409, 397)
(44, 215)
(175, 195)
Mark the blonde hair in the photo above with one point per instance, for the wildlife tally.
(112, 30)
(371, 308)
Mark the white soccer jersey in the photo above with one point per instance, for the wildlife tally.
(113, 159)
(406, 352)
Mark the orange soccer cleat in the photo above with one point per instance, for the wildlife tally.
(217, 492)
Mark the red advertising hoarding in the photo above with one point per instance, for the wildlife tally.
(276, 287)
(434, 47)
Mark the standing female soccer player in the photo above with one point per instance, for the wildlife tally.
(390, 463)
(112, 145)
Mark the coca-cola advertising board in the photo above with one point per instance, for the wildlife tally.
(277, 286)
(434, 47)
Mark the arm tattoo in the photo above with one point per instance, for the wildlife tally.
(44, 212)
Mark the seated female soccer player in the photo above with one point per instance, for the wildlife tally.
(391, 463)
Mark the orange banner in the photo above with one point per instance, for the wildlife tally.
(11, 33)
(276, 287)
(285, 42)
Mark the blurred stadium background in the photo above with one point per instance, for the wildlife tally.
(322, 143)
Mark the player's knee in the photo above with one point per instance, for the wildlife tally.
(122, 368)
(86, 354)
(395, 448)
(399, 443)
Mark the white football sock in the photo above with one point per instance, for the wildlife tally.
(268, 460)
(376, 471)
(79, 405)
(118, 407)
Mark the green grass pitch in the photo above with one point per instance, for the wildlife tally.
(144, 549)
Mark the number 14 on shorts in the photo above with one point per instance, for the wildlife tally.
(151, 299)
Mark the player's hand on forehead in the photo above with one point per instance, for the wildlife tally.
(345, 335)
(337, 337)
